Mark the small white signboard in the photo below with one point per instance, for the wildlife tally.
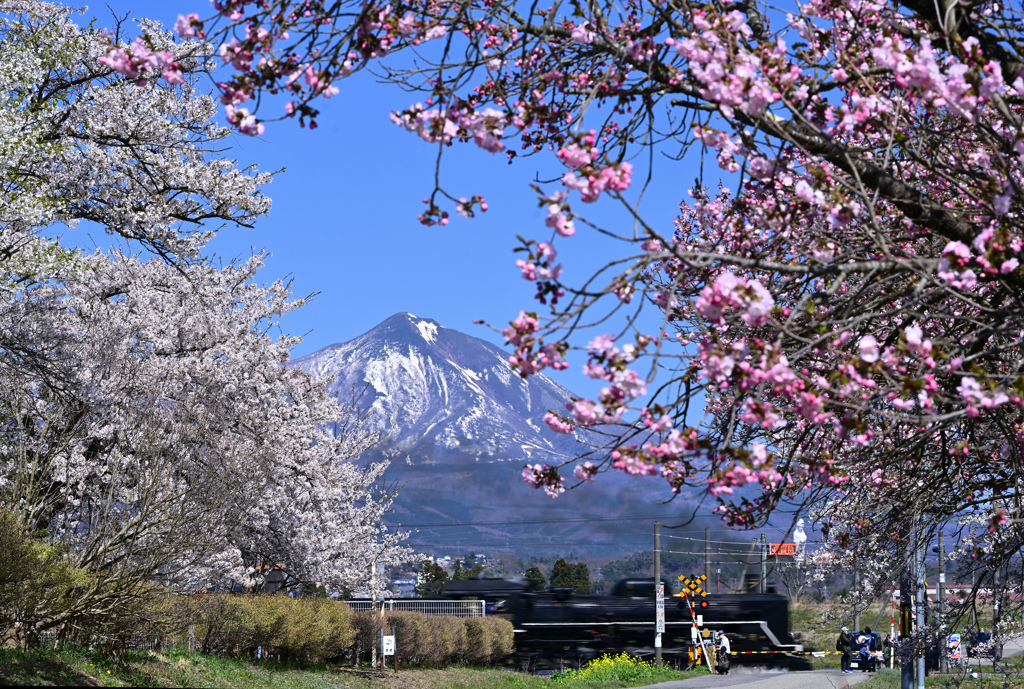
(388, 645)
(660, 610)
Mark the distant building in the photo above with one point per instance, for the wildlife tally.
(405, 587)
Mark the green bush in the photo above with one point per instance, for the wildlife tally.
(502, 639)
(303, 629)
(452, 638)
(315, 629)
(478, 641)
(40, 587)
(413, 631)
(225, 623)
(434, 640)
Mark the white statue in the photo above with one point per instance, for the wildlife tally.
(799, 538)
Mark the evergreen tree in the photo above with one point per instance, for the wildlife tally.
(431, 580)
(575, 577)
(581, 578)
(459, 574)
(561, 574)
(535, 575)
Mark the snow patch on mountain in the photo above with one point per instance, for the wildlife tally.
(427, 329)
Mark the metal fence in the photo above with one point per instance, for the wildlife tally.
(444, 608)
(135, 642)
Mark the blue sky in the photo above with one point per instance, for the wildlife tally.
(344, 212)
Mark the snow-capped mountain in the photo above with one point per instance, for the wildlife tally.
(452, 394)
(466, 424)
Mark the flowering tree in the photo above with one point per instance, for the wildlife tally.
(170, 442)
(842, 330)
(148, 423)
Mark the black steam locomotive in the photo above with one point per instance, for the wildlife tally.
(556, 627)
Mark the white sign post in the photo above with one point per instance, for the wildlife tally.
(659, 614)
(387, 648)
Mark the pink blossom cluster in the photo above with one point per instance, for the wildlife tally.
(585, 472)
(633, 463)
(742, 368)
(952, 267)
(958, 85)
(243, 121)
(539, 266)
(581, 33)
(237, 55)
(464, 207)
(733, 76)
(139, 59)
(526, 360)
(757, 468)
(587, 413)
(729, 292)
(558, 423)
(593, 180)
(578, 153)
(559, 214)
(974, 396)
(189, 26)
(485, 128)
(546, 477)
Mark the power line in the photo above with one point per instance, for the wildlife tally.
(525, 521)
(701, 540)
(510, 545)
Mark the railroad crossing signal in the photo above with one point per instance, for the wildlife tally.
(693, 587)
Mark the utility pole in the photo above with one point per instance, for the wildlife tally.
(921, 590)
(707, 554)
(657, 581)
(856, 594)
(764, 563)
(974, 607)
(718, 571)
(373, 598)
(941, 600)
(905, 642)
(997, 642)
(746, 566)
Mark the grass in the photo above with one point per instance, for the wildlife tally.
(73, 666)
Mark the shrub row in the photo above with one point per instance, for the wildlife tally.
(431, 640)
(297, 628)
(324, 629)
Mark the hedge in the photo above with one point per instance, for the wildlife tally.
(318, 629)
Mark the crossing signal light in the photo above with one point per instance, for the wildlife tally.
(703, 604)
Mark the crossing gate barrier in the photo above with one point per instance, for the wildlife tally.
(816, 654)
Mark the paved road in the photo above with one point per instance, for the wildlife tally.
(751, 678)
(755, 678)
